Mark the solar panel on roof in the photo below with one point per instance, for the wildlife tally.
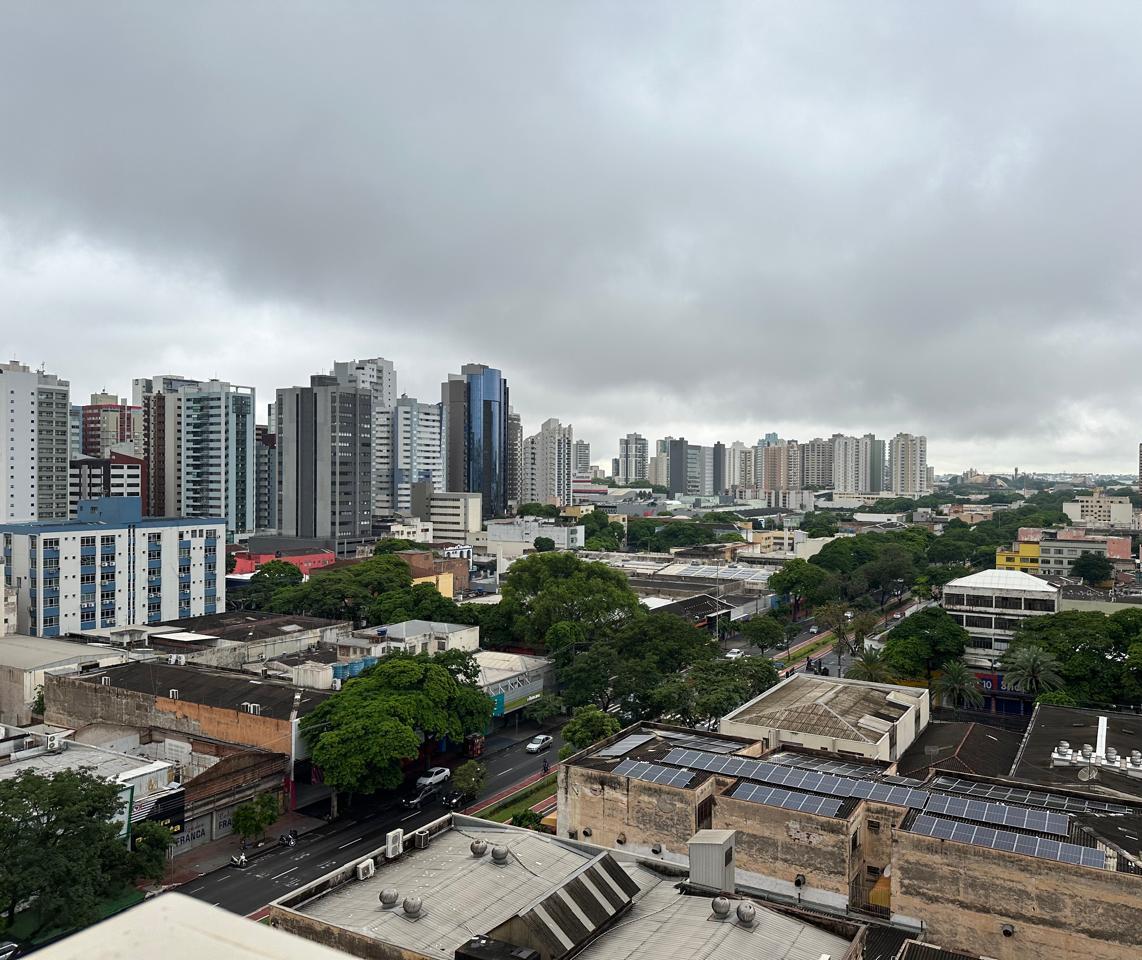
(796, 778)
(625, 745)
(653, 773)
(776, 797)
(1041, 821)
(706, 743)
(1006, 840)
(1031, 798)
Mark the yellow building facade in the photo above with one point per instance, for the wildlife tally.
(1023, 556)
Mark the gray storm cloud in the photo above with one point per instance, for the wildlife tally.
(710, 219)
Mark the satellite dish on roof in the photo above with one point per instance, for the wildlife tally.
(1088, 773)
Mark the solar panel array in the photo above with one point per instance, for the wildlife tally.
(625, 745)
(1031, 798)
(1006, 840)
(798, 779)
(1041, 821)
(707, 743)
(776, 797)
(653, 773)
(824, 765)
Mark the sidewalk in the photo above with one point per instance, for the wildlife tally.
(210, 856)
(518, 787)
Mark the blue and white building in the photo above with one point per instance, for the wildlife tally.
(111, 567)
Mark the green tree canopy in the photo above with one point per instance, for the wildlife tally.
(360, 736)
(544, 544)
(343, 593)
(589, 725)
(469, 778)
(1093, 568)
(546, 510)
(61, 849)
(763, 631)
(1031, 669)
(923, 643)
(957, 686)
(803, 583)
(395, 545)
(870, 665)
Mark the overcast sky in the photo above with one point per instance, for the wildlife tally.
(703, 219)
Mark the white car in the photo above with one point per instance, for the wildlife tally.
(814, 630)
(539, 743)
(734, 654)
(433, 776)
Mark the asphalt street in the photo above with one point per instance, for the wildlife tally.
(275, 873)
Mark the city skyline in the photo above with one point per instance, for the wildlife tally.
(713, 227)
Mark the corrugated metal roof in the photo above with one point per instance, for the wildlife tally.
(1002, 580)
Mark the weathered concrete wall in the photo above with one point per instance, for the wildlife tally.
(782, 843)
(640, 813)
(965, 894)
(354, 944)
(876, 845)
(76, 703)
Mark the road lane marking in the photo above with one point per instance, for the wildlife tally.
(284, 872)
(196, 889)
(350, 843)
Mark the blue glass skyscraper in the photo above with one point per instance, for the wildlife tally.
(474, 404)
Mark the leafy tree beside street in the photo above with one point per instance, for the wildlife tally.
(587, 725)
(254, 817)
(469, 778)
(804, 583)
(61, 850)
(923, 643)
(361, 735)
(763, 632)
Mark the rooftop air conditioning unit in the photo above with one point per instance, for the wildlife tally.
(173, 693)
(180, 659)
(255, 709)
(365, 869)
(394, 843)
(336, 683)
(105, 681)
(420, 839)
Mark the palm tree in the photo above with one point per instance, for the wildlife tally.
(1032, 670)
(959, 686)
(870, 665)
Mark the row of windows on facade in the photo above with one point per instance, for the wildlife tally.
(998, 603)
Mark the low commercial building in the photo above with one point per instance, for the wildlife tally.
(513, 680)
(852, 718)
(111, 567)
(455, 517)
(25, 661)
(1052, 552)
(465, 889)
(150, 788)
(990, 866)
(183, 928)
(517, 536)
(1099, 510)
(306, 559)
(226, 706)
(991, 605)
(420, 636)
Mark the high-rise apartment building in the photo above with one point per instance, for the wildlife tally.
(817, 463)
(872, 450)
(415, 454)
(379, 377)
(93, 478)
(739, 465)
(111, 424)
(514, 459)
(35, 433)
(908, 465)
(266, 474)
(547, 464)
(633, 462)
(718, 470)
(75, 431)
(112, 567)
(475, 405)
(198, 440)
(846, 465)
(325, 460)
(582, 459)
(658, 466)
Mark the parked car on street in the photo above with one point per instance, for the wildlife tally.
(434, 776)
(455, 799)
(734, 654)
(419, 796)
(814, 629)
(9, 950)
(539, 743)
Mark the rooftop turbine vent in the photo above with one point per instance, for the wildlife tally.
(389, 897)
(721, 908)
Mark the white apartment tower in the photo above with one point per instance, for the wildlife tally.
(817, 463)
(582, 467)
(379, 377)
(35, 431)
(739, 465)
(847, 476)
(547, 462)
(908, 465)
(633, 461)
(414, 453)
